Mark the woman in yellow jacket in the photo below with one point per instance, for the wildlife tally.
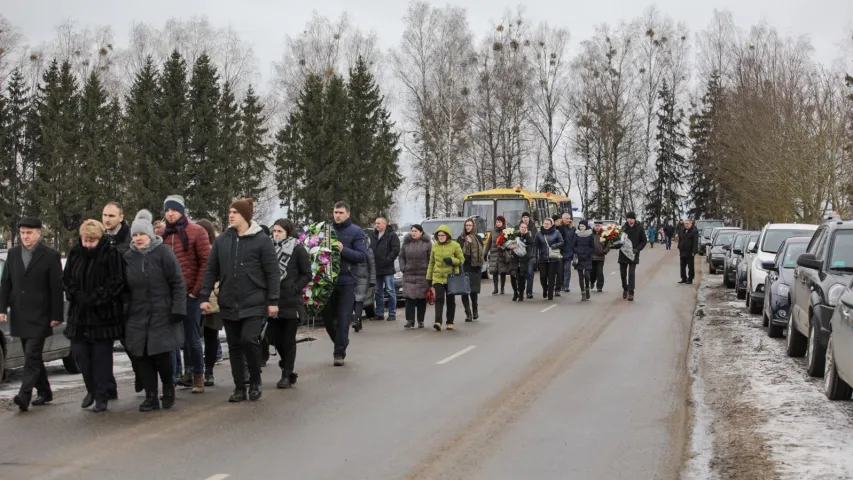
(446, 257)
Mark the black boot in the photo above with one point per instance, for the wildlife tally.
(151, 403)
(285, 380)
(409, 324)
(168, 397)
(255, 392)
(209, 381)
(239, 395)
(137, 385)
(503, 283)
(495, 283)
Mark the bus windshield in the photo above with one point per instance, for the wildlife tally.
(482, 208)
(511, 210)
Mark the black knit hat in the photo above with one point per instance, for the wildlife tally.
(525, 214)
(631, 215)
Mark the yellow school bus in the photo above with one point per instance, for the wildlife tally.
(510, 203)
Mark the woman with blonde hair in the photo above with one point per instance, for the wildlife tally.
(94, 281)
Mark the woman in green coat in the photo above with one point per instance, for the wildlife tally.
(445, 258)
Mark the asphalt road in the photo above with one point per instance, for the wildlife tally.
(558, 390)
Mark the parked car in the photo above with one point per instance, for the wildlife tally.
(457, 226)
(721, 242)
(780, 280)
(705, 239)
(822, 273)
(733, 256)
(772, 236)
(56, 347)
(749, 253)
(708, 222)
(838, 363)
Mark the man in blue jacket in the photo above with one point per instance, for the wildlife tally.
(567, 230)
(336, 314)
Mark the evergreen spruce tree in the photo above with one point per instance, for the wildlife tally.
(174, 127)
(58, 170)
(145, 143)
(665, 197)
(549, 182)
(229, 174)
(704, 189)
(115, 187)
(97, 152)
(201, 193)
(17, 163)
(334, 161)
(373, 156)
(255, 152)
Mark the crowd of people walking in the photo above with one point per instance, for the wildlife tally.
(166, 291)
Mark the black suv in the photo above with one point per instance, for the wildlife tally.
(734, 255)
(778, 284)
(819, 280)
(721, 242)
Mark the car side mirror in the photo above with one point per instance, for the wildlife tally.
(769, 266)
(808, 260)
(751, 247)
(737, 251)
(727, 247)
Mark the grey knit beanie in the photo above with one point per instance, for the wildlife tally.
(142, 224)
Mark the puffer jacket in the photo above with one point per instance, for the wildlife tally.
(520, 263)
(247, 270)
(546, 240)
(438, 271)
(354, 253)
(498, 256)
(584, 248)
(365, 278)
(568, 234)
(157, 292)
(193, 259)
(414, 263)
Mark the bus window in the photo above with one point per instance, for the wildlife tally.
(511, 210)
(552, 209)
(483, 208)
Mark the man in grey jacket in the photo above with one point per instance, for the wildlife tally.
(244, 263)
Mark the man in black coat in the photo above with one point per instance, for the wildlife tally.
(31, 287)
(688, 247)
(118, 231)
(628, 266)
(244, 262)
(386, 248)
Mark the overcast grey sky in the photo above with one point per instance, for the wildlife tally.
(264, 23)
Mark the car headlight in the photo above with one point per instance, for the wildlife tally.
(784, 290)
(834, 294)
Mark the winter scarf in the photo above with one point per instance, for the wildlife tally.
(181, 228)
(284, 250)
(472, 250)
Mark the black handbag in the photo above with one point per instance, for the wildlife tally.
(458, 283)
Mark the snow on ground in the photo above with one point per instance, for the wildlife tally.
(755, 408)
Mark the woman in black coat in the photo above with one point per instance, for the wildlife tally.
(518, 263)
(94, 280)
(158, 306)
(584, 248)
(295, 269)
(549, 246)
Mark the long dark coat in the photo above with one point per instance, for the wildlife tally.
(638, 240)
(498, 256)
(290, 303)
(365, 278)
(33, 296)
(584, 248)
(385, 251)
(94, 282)
(157, 291)
(414, 262)
(472, 266)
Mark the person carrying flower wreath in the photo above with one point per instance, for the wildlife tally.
(445, 258)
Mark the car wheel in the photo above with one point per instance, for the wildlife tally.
(833, 386)
(774, 331)
(755, 308)
(726, 283)
(815, 354)
(70, 364)
(741, 294)
(795, 346)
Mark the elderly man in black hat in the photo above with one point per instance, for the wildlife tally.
(31, 291)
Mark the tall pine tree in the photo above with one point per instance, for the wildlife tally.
(255, 152)
(704, 187)
(665, 196)
(98, 140)
(174, 127)
(58, 170)
(16, 165)
(224, 168)
(201, 193)
(373, 164)
(144, 145)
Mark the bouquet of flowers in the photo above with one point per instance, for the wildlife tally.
(611, 236)
(506, 238)
(320, 240)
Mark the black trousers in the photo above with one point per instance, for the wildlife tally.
(548, 272)
(597, 274)
(518, 278)
(628, 272)
(33, 375)
(442, 298)
(281, 333)
(244, 349)
(471, 303)
(560, 284)
(688, 268)
(211, 344)
(503, 281)
(336, 317)
(416, 309)
(149, 367)
(585, 279)
(95, 360)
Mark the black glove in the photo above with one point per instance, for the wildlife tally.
(448, 261)
(178, 318)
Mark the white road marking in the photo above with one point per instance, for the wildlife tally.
(456, 355)
(218, 476)
(546, 309)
